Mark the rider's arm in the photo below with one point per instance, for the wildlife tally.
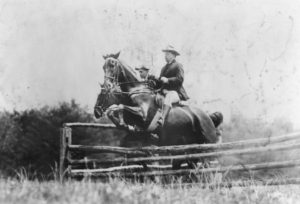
(177, 80)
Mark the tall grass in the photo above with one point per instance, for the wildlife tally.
(119, 191)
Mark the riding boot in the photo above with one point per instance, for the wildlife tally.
(165, 112)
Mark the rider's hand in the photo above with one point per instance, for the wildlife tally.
(151, 83)
(164, 80)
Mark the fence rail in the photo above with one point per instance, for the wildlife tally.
(246, 167)
(92, 125)
(170, 158)
(179, 149)
(137, 162)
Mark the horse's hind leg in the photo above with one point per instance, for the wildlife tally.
(192, 163)
(205, 162)
(176, 165)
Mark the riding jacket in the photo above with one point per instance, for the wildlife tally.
(175, 75)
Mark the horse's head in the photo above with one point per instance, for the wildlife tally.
(111, 69)
(118, 73)
(120, 82)
(108, 96)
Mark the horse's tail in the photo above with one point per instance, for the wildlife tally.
(203, 125)
(217, 118)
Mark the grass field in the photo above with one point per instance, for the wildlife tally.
(116, 191)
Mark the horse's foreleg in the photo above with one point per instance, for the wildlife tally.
(121, 119)
(116, 115)
(121, 115)
(111, 116)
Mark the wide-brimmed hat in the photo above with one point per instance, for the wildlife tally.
(171, 49)
(142, 67)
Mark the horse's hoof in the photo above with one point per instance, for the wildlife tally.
(154, 136)
(131, 128)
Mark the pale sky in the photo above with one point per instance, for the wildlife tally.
(238, 55)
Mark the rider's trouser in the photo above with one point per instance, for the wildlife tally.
(171, 97)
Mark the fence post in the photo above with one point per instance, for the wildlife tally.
(65, 141)
(62, 155)
(68, 131)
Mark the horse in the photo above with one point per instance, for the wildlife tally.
(131, 104)
(109, 100)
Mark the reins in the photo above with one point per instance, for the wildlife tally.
(115, 80)
(132, 92)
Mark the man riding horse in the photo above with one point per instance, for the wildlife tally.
(172, 77)
(132, 104)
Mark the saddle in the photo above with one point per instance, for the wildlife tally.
(216, 117)
(159, 100)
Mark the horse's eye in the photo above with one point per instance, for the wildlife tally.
(113, 63)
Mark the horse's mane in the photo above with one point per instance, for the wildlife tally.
(128, 71)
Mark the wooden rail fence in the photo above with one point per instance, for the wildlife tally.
(131, 161)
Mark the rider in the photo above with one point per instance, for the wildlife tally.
(171, 77)
(146, 76)
(143, 71)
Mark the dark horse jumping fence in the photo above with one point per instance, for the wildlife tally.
(138, 162)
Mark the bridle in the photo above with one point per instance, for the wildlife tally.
(116, 83)
(130, 93)
(114, 87)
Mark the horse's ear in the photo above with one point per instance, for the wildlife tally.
(116, 55)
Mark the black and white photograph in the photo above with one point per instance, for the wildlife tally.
(149, 101)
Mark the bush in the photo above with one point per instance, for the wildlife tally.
(30, 139)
